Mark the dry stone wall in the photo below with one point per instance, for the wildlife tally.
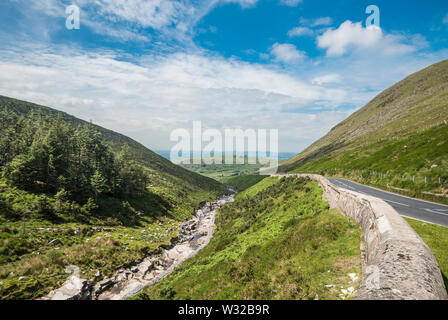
(397, 263)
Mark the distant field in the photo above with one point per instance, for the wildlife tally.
(241, 183)
(278, 240)
(222, 171)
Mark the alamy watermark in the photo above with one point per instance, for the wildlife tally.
(73, 19)
(234, 146)
(374, 19)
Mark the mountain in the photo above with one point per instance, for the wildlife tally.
(73, 193)
(116, 140)
(398, 141)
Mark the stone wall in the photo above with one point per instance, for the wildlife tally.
(397, 263)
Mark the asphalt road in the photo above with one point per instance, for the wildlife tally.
(405, 206)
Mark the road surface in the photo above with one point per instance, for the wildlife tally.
(405, 206)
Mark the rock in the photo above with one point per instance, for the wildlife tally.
(135, 269)
(329, 285)
(107, 235)
(54, 241)
(353, 277)
(351, 289)
(396, 291)
(73, 289)
(344, 291)
(21, 278)
(1, 283)
(97, 274)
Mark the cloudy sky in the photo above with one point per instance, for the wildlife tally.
(147, 67)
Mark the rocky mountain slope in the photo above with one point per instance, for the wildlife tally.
(399, 139)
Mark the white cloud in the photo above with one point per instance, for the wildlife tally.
(328, 78)
(149, 98)
(127, 20)
(287, 53)
(445, 19)
(242, 3)
(353, 37)
(321, 21)
(349, 35)
(290, 3)
(153, 13)
(300, 31)
(324, 21)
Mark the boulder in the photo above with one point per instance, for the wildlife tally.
(73, 289)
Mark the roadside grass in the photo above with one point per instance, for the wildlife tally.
(436, 237)
(278, 240)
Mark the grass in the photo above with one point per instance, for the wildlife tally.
(436, 237)
(243, 182)
(278, 240)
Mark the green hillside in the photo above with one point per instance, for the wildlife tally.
(278, 240)
(72, 193)
(399, 141)
(116, 140)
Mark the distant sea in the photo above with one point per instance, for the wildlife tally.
(281, 155)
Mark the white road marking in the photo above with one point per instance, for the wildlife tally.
(429, 210)
(402, 204)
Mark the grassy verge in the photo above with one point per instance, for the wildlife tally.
(278, 240)
(436, 237)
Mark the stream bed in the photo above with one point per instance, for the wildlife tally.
(194, 235)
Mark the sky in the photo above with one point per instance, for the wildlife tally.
(146, 67)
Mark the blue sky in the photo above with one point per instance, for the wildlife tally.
(147, 67)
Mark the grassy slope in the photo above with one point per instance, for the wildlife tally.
(436, 237)
(31, 266)
(241, 183)
(396, 140)
(278, 240)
